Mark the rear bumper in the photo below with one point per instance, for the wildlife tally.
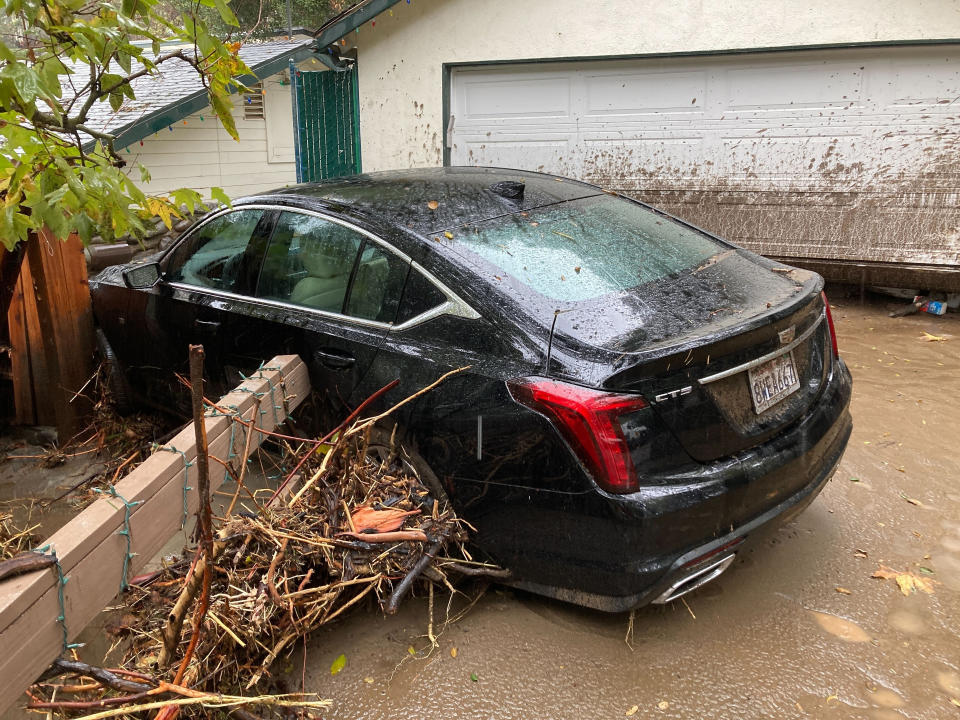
(657, 534)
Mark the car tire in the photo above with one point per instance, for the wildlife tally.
(117, 382)
(380, 447)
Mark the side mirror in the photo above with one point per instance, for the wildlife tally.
(141, 277)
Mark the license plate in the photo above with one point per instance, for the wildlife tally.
(773, 381)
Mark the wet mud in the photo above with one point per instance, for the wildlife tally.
(797, 628)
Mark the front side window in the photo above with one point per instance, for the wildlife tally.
(215, 255)
(309, 262)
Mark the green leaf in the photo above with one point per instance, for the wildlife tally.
(338, 664)
(24, 81)
(220, 196)
(473, 676)
(926, 570)
(226, 14)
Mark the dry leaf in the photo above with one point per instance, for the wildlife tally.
(843, 591)
(663, 704)
(577, 269)
(912, 501)
(858, 553)
(933, 338)
(433, 204)
(453, 652)
(368, 680)
(448, 235)
(906, 581)
(954, 701)
(632, 711)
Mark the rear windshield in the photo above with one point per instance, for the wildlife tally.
(584, 249)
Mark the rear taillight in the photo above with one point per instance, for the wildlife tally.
(833, 332)
(589, 421)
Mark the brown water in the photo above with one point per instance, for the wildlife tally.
(772, 638)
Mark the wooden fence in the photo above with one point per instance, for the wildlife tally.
(50, 325)
(43, 611)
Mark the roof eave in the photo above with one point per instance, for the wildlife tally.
(166, 116)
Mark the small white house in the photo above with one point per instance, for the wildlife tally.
(825, 133)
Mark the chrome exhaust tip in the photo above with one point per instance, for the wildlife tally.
(694, 578)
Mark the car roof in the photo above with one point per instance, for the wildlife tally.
(430, 200)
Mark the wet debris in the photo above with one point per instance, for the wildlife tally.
(908, 582)
(352, 525)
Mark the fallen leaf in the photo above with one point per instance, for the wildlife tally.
(411, 650)
(854, 479)
(473, 676)
(632, 711)
(954, 701)
(832, 697)
(338, 664)
(859, 553)
(563, 235)
(453, 652)
(925, 570)
(535, 224)
(912, 501)
(906, 581)
(433, 204)
(368, 680)
(843, 591)
(577, 269)
(663, 704)
(933, 338)
(448, 235)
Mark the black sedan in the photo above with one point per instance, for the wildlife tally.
(641, 394)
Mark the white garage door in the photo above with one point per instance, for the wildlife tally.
(845, 154)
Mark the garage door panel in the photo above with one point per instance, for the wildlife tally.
(544, 155)
(643, 94)
(773, 88)
(516, 98)
(850, 154)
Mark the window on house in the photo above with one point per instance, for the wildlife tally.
(253, 103)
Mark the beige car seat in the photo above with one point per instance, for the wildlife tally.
(328, 266)
(369, 288)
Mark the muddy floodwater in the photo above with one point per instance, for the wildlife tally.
(796, 628)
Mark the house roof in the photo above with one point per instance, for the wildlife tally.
(176, 91)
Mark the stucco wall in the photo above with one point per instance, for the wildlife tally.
(401, 58)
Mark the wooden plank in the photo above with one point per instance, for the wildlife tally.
(26, 413)
(91, 551)
(65, 320)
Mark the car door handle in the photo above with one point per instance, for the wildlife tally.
(333, 359)
(207, 325)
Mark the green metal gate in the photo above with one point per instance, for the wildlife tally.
(326, 123)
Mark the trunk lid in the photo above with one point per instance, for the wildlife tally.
(690, 344)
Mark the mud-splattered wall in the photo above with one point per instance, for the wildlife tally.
(845, 153)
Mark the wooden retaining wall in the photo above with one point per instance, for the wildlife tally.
(91, 549)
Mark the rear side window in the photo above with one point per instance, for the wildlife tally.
(377, 285)
(584, 249)
(420, 296)
(309, 262)
(215, 255)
